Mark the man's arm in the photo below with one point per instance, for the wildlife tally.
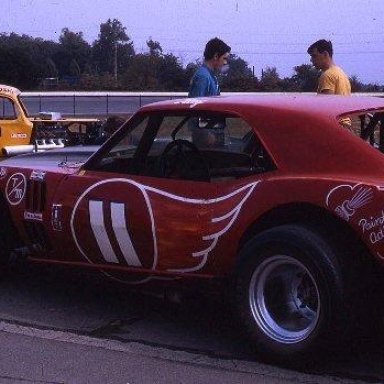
(326, 84)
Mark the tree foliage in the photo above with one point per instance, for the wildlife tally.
(110, 62)
(23, 60)
(72, 48)
(239, 76)
(154, 47)
(112, 47)
(270, 80)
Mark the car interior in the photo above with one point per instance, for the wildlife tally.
(202, 146)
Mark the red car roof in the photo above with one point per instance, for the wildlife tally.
(326, 105)
(301, 132)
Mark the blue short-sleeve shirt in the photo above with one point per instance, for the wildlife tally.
(204, 83)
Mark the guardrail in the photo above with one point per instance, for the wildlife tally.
(112, 103)
(93, 103)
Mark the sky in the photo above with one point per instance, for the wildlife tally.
(265, 33)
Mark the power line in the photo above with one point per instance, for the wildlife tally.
(280, 53)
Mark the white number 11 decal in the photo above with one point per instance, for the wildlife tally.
(120, 230)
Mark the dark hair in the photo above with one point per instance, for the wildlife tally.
(322, 46)
(215, 46)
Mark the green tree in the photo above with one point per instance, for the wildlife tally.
(51, 68)
(154, 71)
(170, 74)
(190, 69)
(154, 47)
(239, 76)
(91, 82)
(113, 49)
(270, 80)
(372, 88)
(140, 74)
(74, 68)
(356, 85)
(305, 78)
(72, 46)
(23, 60)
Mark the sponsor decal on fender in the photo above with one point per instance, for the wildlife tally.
(15, 188)
(352, 202)
(33, 216)
(345, 200)
(57, 224)
(38, 175)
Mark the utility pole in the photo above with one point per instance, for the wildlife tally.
(115, 63)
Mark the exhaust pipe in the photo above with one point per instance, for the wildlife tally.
(39, 146)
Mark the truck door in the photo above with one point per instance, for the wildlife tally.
(15, 129)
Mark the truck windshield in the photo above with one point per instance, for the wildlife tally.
(22, 106)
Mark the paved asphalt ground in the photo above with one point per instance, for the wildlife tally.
(62, 326)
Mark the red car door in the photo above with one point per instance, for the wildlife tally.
(131, 223)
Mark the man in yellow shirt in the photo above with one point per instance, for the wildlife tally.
(333, 79)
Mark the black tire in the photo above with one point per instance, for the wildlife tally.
(8, 237)
(4, 258)
(291, 294)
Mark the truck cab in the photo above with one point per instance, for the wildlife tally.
(15, 126)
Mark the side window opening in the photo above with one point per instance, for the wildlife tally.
(206, 146)
(200, 146)
(7, 109)
(119, 152)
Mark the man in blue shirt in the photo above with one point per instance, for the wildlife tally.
(204, 81)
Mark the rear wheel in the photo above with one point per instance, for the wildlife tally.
(291, 293)
(284, 299)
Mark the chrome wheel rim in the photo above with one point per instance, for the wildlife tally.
(284, 299)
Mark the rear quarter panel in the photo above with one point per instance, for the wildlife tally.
(359, 204)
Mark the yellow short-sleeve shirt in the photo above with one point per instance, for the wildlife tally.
(335, 80)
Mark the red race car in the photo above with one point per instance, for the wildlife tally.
(279, 197)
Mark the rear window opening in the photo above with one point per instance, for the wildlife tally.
(369, 126)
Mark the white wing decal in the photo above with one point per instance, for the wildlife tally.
(224, 222)
(223, 212)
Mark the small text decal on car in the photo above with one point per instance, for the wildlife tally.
(3, 172)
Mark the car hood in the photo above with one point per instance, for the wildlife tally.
(71, 157)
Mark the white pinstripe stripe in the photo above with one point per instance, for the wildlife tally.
(96, 216)
(119, 225)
